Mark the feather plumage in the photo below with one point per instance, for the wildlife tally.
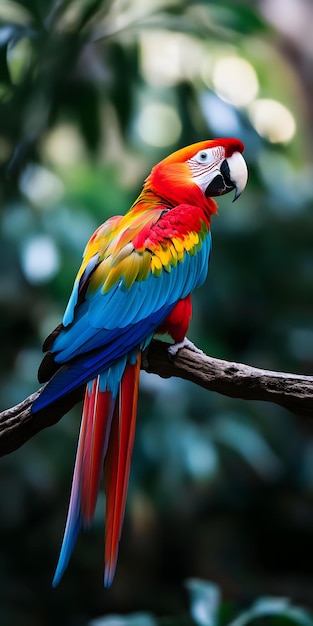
(136, 277)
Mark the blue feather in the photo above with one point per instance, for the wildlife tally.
(87, 366)
(98, 318)
(69, 311)
(108, 326)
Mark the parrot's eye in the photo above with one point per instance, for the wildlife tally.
(204, 156)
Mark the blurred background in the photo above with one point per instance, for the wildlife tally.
(92, 94)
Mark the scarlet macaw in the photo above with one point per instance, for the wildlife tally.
(137, 274)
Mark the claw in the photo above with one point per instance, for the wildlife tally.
(186, 343)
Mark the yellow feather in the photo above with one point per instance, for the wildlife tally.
(194, 237)
(100, 274)
(164, 255)
(122, 254)
(131, 267)
(113, 277)
(173, 252)
(180, 255)
(145, 264)
(156, 264)
(178, 243)
(158, 271)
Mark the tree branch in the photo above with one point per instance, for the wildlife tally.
(292, 391)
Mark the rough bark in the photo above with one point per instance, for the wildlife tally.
(292, 391)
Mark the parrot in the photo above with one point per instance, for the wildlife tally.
(136, 278)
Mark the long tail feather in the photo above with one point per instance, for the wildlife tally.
(96, 443)
(73, 522)
(117, 463)
(93, 441)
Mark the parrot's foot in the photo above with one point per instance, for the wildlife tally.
(186, 343)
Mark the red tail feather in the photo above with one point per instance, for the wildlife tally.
(98, 411)
(117, 464)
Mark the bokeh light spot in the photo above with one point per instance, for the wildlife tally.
(219, 115)
(272, 120)
(235, 80)
(64, 145)
(40, 259)
(160, 58)
(41, 186)
(159, 125)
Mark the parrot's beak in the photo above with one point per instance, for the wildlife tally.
(233, 174)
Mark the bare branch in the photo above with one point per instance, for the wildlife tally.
(292, 391)
(19, 424)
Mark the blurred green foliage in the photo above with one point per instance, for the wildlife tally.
(92, 94)
(206, 609)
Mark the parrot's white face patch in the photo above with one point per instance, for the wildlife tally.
(215, 174)
(205, 165)
(208, 157)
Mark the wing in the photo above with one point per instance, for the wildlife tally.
(132, 275)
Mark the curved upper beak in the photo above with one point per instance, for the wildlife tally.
(233, 174)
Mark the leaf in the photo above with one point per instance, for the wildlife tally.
(274, 607)
(14, 13)
(205, 600)
(235, 16)
(90, 11)
(19, 59)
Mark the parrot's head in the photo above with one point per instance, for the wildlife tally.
(201, 171)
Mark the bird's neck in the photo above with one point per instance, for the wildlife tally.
(174, 184)
(164, 190)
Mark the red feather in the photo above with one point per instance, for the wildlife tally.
(117, 464)
(97, 412)
(177, 322)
